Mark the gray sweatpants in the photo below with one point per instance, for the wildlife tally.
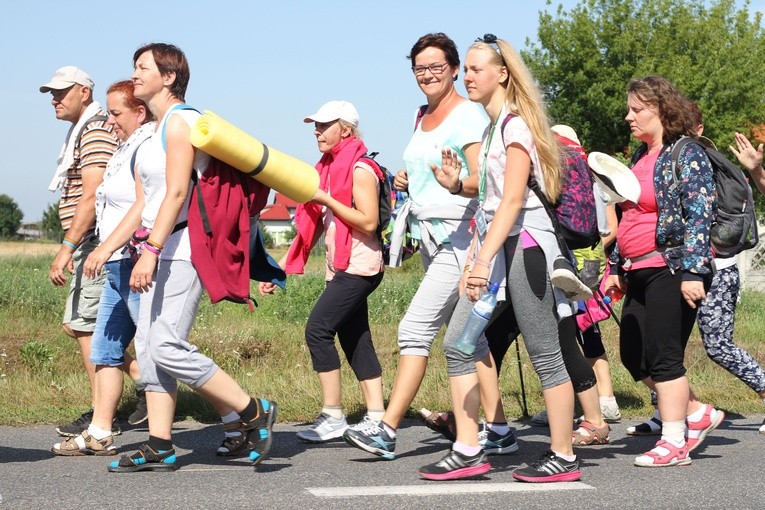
(533, 312)
(165, 318)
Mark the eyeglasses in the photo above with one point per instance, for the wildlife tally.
(433, 68)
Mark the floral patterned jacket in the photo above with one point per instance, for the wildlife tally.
(686, 210)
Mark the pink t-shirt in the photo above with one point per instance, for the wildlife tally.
(636, 234)
(366, 253)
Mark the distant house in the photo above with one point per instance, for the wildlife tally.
(277, 218)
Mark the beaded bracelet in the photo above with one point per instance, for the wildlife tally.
(154, 244)
(153, 249)
(67, 242)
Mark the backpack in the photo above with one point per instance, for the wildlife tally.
(734, 228)
(227, 247)
(384, 200)
(574, 215)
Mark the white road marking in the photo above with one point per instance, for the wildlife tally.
(443, 488)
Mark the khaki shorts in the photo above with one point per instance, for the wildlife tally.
(84, 293)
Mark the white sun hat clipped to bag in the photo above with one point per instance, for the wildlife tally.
(614, 178)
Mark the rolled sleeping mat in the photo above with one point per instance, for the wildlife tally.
(287, 175)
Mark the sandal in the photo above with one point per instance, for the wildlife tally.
(443, 423)
(145, 459)
(650, 427)
(664, 454)
(93, 446)
(233, 445)
(588, 434)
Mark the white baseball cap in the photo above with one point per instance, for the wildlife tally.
(335, 110)
(66, 77)
(566, 131)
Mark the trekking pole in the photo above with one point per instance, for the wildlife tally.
(520, 373)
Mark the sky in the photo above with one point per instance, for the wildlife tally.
(263, 66)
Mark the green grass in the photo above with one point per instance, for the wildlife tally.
(42, 379)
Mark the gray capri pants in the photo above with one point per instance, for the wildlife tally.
(531, 296)
(165, 318)
(432, 304)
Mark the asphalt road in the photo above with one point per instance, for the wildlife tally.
(727, 471)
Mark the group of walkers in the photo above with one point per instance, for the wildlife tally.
(127, 173)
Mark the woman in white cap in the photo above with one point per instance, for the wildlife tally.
(439, 212)
(661, 263)
(346, 209)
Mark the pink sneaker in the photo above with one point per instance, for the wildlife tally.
(698, 430)
(664, 454)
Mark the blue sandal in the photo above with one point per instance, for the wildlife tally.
(145, 459)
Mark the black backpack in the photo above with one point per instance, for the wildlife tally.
(384, 202)
(734, 228)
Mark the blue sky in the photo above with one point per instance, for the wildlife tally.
(263, 66)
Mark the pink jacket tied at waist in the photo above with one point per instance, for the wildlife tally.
(336, 171)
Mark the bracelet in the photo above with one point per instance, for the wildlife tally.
(67, 242)
(478, 277)
(459, 188)
(478, 261)
(153, 249)
(154, 244)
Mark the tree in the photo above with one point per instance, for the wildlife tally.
(51, 224)
(585, 58)
(10, 217)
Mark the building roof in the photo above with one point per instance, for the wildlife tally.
(285, 200)
(276, 212)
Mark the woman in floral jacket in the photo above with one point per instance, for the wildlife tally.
(663, 255)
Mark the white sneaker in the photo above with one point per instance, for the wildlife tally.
(565, 278)
(365, 422)
(762, 428)
(325, 428)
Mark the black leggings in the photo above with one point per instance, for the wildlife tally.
(342, 309)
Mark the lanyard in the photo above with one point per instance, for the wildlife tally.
(482, 171)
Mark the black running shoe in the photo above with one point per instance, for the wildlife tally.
(145, 459)
(77, 426)
(454, 465)
(550, 468)
(141, 413)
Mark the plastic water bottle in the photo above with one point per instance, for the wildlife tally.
(613, 295)
(477, 320)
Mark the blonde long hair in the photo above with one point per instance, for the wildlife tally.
(523, 98)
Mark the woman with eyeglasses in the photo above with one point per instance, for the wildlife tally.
(516, 245)
(439, 214)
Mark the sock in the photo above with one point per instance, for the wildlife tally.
(230, 417)
(389, 430)
(498, 428)
(567, 458)
(656, 414)
(674, 432)
(697, 414)
(334, 411)
(250, 412)
(375, 415)
(470, 451)
(159, 445)
(608, 401)
(98, 432)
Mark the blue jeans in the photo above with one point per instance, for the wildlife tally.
(117, 315)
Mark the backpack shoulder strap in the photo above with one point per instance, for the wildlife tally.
(135, 153)
(173, 108)
(677, 149)
(420, 115)
(369, 159)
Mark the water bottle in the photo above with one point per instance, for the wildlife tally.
(613, 295)
(477, 320)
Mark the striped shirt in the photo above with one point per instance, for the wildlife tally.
(96, 146)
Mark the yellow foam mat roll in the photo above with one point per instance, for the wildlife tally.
(287, 175)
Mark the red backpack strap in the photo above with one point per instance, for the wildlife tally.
(420, 115)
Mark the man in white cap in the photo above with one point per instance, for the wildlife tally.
(80, 169)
